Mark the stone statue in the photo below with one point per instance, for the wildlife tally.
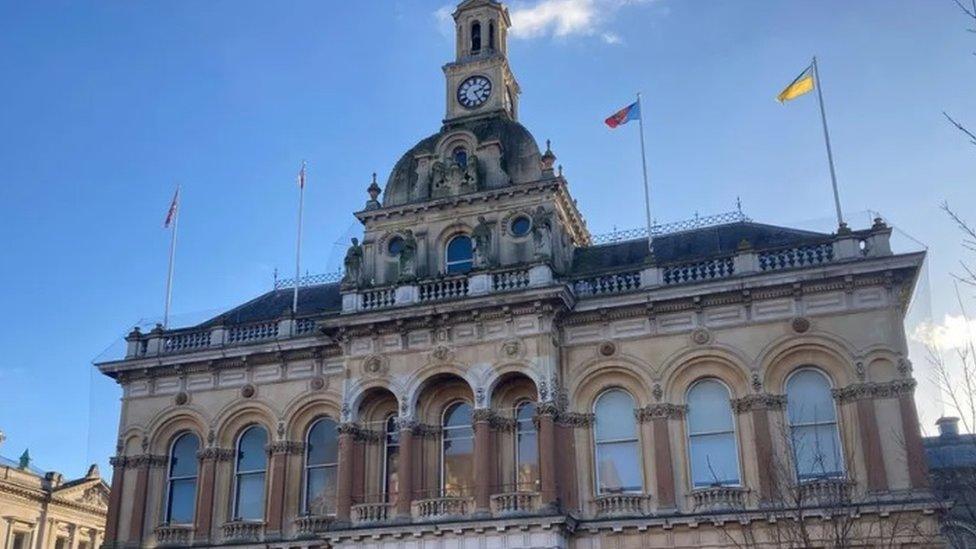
(437, 178)
(408, 257)
(481, 236)
(542, 233)
(471, 182)
(354, 265)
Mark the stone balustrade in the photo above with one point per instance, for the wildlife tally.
(514, 503)
(173, 535)
(440, 507)
(621, 505)
(746, 261)
(309, 525)
(368, 513)
(719, 498)
(242, 531)
(825, 491)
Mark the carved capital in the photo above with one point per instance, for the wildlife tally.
(760, 401)
(358, 433)
(575, 419)
(216, 454)
(426, 431)
(482, 415)
(661, 410)
(149, 461)
(286, 447)
(860, 391)
(119, 462)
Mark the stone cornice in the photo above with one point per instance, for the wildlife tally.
(661, 410)
(42, 496)
(759, 401)
(861, 391)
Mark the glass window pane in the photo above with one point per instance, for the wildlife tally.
(618, 465)
(250, 496)
(714, 460)
(321, 491)
(458, 415)
(615, 416)
(183, 461)
(458, 466)
(817, 452)
(250, 450)
(808, 398)
(709, 409)
(323, 443)
(459, 255)
(392, 474)
(521, 226)
(182, 501)
(527, 472)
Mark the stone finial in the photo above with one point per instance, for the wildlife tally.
(374, 191)
(879, 224)
(25, 459)
(93, 471)
(843, 229)
(744, 245)
(548, 160)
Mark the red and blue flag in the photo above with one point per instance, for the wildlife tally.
(624, 115)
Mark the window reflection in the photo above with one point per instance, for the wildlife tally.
(526, 448)
(182, 480)
(249, 474)
(617, 447)
(321, 466)
(391, 461)
(711, 435)
(457, 452)
(813, 425)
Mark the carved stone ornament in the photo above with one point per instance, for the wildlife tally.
(510, 349)
(663, 410)
(657, 391)
(358, 433)
(248, 391)
(442, 354)
(860, 391)
(375, 366)
(701, 336)
(285, 447)
(757, 383)
(181, 398)
(800, 325)
(761, 401)
(95, 497)
(575, 420)
(904, 366)
(211, 436)
(479, 396)
(216, 454)
(317, 383)
(608, 348)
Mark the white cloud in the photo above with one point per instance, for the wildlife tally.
(954, 332)
(558, 18)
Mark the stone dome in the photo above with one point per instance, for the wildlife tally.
(516, 161)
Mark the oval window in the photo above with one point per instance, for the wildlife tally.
(521, 226)
(395, 246)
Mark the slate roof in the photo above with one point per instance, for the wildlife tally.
(15, 464)
(947, 452)
(689, 245)
(695, 244)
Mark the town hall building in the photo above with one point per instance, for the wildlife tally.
(487, 374)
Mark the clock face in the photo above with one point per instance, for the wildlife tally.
(474, 91)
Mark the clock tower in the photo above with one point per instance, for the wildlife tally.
(480, 81)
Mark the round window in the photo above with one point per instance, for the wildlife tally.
(395, 246)
(521, 226)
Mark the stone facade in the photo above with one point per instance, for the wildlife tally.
(40, 510)
(455, 386)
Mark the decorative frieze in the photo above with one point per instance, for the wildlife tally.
(760, 401)
(860, 391)
(661, 410)
(575, 419)
(142, 460)
(359, 433)
(216, 454)
(287, 447)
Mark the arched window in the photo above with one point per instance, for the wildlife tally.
(618, 462)
(181, 487)
(711, 435)
(249, 473)
(461, 157)
(475, 37)
(321, 464)
(813, 425)
(491, 35)
(457, 450)
(459, 255)
(391, 460)
(526, 448)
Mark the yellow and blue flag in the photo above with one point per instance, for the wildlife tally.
(801, 85)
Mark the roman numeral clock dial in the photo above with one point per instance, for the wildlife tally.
(474, 91)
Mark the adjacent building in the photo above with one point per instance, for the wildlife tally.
(42, 510)
(952, 466)
(488, 373)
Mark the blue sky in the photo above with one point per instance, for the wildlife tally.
(106, 106)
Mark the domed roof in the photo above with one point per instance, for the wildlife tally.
(520, 158)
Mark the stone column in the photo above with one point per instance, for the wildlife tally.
(278, 453)
(115, 500)
(862, 395)
(203, 516)
(405, 497)
(759, 406)
(482, 460)
(547, 454)
(918, 471)
(660, 415)
(347, 447)
(143, 465)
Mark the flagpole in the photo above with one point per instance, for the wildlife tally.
(172, 257)
(298, 247)
(647, 189)
(830, 154)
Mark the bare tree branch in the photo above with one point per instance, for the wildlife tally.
(960, 127)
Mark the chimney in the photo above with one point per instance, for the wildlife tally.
(948, 427)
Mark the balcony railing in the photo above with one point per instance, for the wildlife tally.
(825, 492)
(699, 271)
(440, 507)
(449, 288)
(378, 299)
(309, 525)
(173, 535)
(800, 256)
(242, 530)
(515, 503)
(608, 284)
(719, 498)
(189, 341)
(510, 280)
(253, 332)
(367, 513)
(621, 505)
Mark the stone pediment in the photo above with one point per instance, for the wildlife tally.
(90, 493)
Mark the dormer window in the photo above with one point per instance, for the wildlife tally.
(475, 37)
(461, 157)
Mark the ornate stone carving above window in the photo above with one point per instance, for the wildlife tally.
(859, 391)
(287, 447)
(661, 410)
(761, 401)
(216, 454)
